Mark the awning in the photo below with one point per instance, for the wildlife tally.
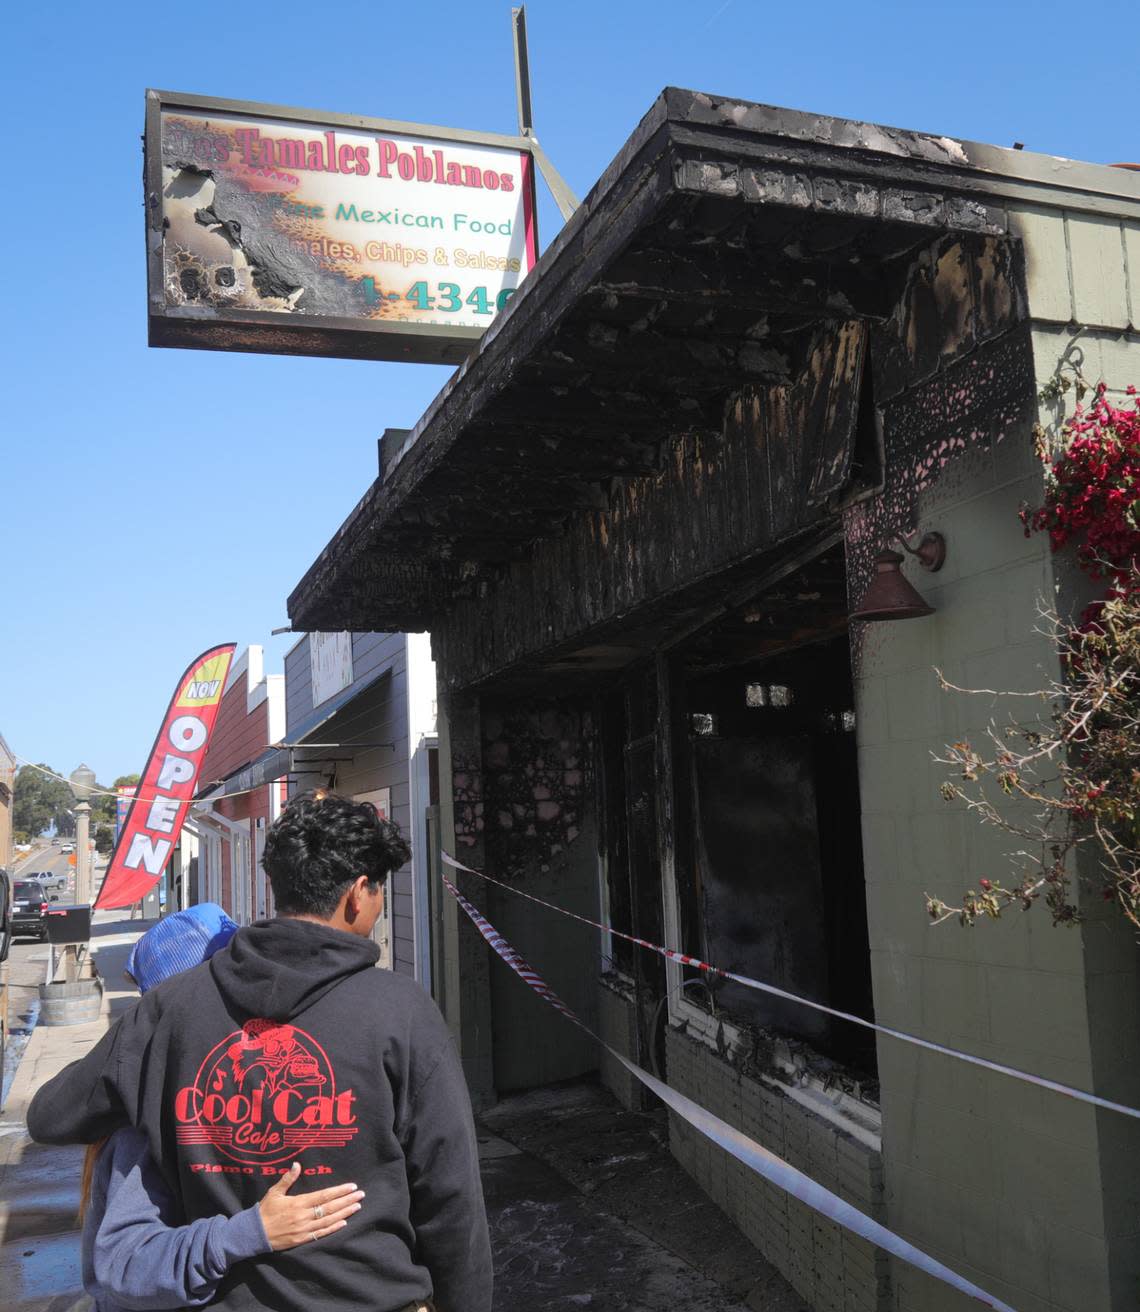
(296, 757)
(323, 713)
(273, 763)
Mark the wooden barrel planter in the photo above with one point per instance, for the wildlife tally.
(75, 1003)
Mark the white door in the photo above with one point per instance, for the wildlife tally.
(260, 879)
(240, 873)
(213, 882)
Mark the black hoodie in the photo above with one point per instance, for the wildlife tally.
(288, 1045)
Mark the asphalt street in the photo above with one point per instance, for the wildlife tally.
(46, 859)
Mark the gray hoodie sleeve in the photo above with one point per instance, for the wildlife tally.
(448, 1214)
(99, 1093)
(142, 1260)
(82, 1102)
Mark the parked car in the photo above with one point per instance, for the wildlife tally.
(29, 908)
(5, 917)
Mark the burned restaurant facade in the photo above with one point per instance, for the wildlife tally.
(637, 522)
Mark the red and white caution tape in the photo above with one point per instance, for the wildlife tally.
(684, 959)
(767, 1164)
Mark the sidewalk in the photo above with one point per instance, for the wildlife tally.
(39, 1186)
(587, 1207)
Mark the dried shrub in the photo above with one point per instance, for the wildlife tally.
(1067, 776)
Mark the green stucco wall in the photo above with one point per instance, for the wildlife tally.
(1028, 1193)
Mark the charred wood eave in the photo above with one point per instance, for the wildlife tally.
(721, 243)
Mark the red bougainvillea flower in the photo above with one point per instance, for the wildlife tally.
(1092, 495)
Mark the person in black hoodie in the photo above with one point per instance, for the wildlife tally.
(287, 1045)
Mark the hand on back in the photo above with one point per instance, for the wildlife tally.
(292, 1219)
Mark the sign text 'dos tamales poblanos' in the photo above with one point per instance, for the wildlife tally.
(278, 230)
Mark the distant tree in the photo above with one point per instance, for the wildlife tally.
(104, 838)
(102, 807)
(41, 800)
(103, 804)
(30, 810)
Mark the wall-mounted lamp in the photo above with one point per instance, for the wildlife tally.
(889, 596)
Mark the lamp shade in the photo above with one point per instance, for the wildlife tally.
(889, 596)
(82, 782)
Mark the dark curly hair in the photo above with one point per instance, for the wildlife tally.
(321, 843)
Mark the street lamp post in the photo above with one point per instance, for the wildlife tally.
(82, 786)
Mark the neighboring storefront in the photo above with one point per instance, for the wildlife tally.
(360, 717)
(182, 872)
(354, 712)
(7, 801)
(233, 808)
(636, 524)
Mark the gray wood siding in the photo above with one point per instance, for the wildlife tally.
(371, 651)
(298, 687)
(378, 714)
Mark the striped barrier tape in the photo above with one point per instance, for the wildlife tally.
(773, 1169)
(684, 959)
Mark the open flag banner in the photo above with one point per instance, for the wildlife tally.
(154, 821)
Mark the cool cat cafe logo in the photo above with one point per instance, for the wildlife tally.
(262, 1096)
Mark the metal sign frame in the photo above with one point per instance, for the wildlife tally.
(272, 332)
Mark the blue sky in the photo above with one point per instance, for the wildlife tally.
(110, 588)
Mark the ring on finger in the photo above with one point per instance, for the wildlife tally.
(313, 1237)
(318, 1211)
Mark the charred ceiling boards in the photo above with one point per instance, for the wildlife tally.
(722, 276)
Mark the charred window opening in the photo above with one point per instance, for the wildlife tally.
(615, 848)
(770, 873)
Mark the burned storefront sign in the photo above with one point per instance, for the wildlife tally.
(299, 232)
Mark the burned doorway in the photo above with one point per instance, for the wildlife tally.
(769, 843)
(631, 848)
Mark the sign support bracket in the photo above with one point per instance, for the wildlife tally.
(564, 198)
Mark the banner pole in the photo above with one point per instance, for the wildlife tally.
(564, 198)
(522, 71)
